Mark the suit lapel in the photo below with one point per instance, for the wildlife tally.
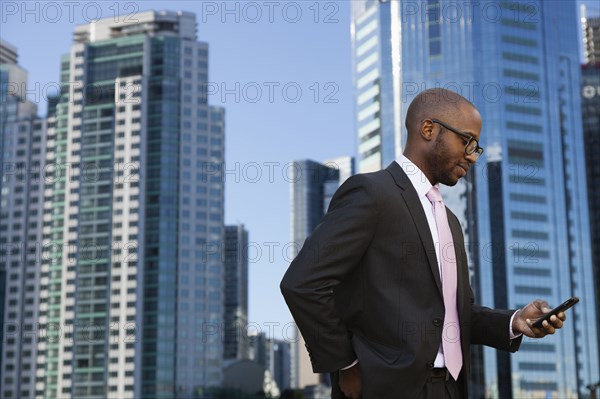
(411, 198)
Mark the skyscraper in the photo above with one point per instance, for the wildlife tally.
(311, 188)
(132, 301)
(22, 156)
(524, 206)
(591, 38)
(236, 293)
(280, 363)
(376, 51)
(590, 108)
(8, 53)
(274, 355)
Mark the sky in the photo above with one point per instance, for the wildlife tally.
(282, 71)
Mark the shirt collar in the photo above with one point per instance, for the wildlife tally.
(416, 176)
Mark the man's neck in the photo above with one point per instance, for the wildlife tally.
(417, 161)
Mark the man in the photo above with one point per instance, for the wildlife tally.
(380, 290)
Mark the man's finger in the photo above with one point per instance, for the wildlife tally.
(556, 322)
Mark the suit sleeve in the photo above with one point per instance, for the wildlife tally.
(491, 327)
(329, 254)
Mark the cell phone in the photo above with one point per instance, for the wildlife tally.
(560, 308)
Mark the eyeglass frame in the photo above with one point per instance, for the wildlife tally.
(465, 135)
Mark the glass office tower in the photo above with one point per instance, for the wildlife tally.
(524, 206)
(236, 294)
(133, 294)
(311, 188)
(590, 104)
(376, 73)
(590, 108)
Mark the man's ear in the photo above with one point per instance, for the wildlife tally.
(426, 129)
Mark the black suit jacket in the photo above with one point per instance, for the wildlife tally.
(366, 286)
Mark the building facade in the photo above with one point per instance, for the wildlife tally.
(590, 107)
(376, 73)
(236, 294)
(133, 294)
(523, 208)
(280, 364)
(311, 189)
(275, 356)
(591, 37)
(22, 156)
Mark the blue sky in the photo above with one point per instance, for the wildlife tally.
(255, 47)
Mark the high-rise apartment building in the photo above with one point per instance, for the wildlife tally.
(524, 206)
(22, 159)
(591, 37)
(8, 53)
(132, 286)
(311, 189)
(235, 345)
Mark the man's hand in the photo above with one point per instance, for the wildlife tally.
(350, 382)
(523, 320)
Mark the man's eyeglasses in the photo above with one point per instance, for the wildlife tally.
(472, 143)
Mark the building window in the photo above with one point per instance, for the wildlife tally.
(537, 217)
(537, 366)
(528, 290)
(523, 58)
(531, 271)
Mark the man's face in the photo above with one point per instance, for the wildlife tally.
(449, 162)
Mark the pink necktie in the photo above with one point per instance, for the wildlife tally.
(451, 330)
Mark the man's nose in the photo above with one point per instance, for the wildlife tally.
(472, 158)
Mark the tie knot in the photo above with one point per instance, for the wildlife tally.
(434, 194)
